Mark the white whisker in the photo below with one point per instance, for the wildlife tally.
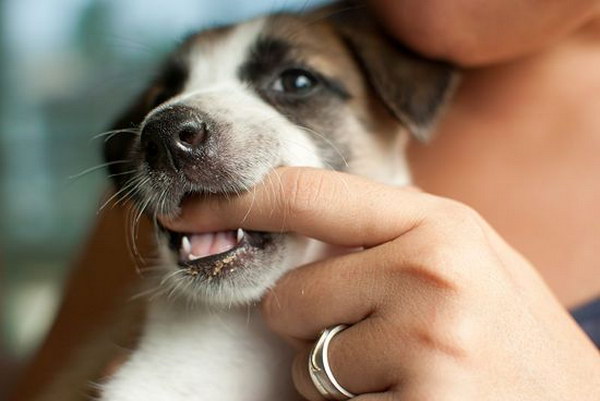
(95, 168)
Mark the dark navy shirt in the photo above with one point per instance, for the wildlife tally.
(588, 317)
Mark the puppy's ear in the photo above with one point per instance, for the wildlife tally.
(413, 88)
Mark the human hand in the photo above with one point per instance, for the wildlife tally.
(439, 306)
(475, 32)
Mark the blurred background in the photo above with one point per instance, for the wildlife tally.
(66, 68)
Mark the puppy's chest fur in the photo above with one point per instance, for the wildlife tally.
(207, 353)
(204, 355)
(327, 90)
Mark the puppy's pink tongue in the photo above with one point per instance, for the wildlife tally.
(195, 246)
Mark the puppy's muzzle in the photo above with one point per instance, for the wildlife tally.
(174, 139)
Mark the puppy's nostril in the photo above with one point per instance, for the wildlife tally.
(154, 152)
(174, 137)
(151, 149)
(191, 135)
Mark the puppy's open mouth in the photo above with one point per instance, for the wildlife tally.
(216, 253)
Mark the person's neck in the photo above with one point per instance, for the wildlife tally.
(520, 144)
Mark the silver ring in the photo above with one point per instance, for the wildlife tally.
(320, 370)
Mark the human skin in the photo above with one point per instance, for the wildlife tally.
(446, 309)
(481, 32)
(439, 306)
(519, 141)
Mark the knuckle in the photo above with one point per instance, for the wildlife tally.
(455, 224)
(455, 262)
(442, 316)
(443, 265)
(441, 256)
(448, 332)
(444, 210)
(433, 264)
(430, 276)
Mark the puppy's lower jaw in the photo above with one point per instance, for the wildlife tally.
(211, 254)
(210, 351)
(227, 268)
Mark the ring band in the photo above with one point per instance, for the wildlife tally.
(320, 370)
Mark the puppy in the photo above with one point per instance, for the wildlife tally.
(325, 89)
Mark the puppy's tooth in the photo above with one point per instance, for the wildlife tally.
(191, 257)
(239, 235)
(186, 245)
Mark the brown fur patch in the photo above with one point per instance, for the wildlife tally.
(318, 43)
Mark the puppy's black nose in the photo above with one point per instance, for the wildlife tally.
(174, 136)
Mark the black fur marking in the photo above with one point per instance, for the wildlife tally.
(265, 57)
(317, 112)
(270, 57)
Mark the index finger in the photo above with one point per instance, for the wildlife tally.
(333, 207)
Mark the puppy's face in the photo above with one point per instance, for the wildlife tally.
(234, 103)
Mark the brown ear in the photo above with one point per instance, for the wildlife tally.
(413, 88)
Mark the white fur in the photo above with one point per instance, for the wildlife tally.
(218, 62)
(196, 355)
(227, 354)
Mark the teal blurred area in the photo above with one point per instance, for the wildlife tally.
(66, 68)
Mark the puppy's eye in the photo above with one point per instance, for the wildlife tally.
(295, 81)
